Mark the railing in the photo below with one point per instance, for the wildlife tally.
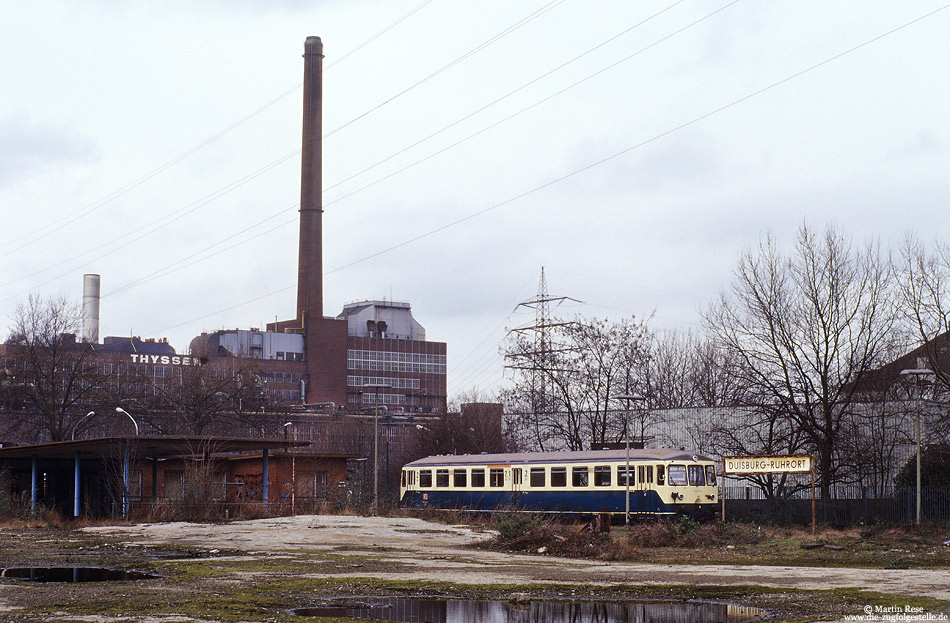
(848, 505)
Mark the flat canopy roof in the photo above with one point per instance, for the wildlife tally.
(151, 446)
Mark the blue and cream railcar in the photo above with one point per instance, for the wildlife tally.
(662, 482)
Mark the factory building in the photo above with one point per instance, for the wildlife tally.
(373, 353)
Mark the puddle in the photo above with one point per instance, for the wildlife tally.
(71, 575)
(482, 611)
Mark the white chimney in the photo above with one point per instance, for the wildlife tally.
(90, 308)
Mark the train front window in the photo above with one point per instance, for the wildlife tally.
(459, 478)
(622, 476)
(425, 478)
(478, 477)
(537, 477)
(677, 475)
(441, 478)
(602, 475)
(697, 475)
(580, 476)
(496, 477)
(711, 475)
(558, 476)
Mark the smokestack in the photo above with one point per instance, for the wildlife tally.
(90, 308)
(310, 258)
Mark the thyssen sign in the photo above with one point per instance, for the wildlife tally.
(165, 360)
(766, 464)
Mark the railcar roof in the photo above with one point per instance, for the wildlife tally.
(517, 458)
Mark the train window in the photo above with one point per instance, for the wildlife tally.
(645, 474)
(537, 477)
(602, 475)
(558, 476)
(660, 475)
(580, 476)
(442, 478)
(516, 475)
(478, 477)
(496, 477)
(697, 475)
(425, 478)
(711, 475)
(622, 476)
(403, 479)
(459, 477)
(677, 475)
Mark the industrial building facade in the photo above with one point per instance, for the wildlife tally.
(375, 355)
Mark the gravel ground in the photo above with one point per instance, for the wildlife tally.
(421, 550)
(310, 548)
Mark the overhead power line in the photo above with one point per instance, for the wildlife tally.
(591, 165)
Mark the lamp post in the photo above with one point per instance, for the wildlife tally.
(376, 443)
(293, 469)
(121, 410)
(81, 420)
(626, 442)
(917, 373)
(126, 466)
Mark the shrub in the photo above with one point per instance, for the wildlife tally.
(513, 525)
(686, 525)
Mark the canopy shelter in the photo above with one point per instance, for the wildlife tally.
(47, 465)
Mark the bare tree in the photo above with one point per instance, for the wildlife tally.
(924, 283)
(807, 327)
(53, 374)
(199, 399)
(591, 361)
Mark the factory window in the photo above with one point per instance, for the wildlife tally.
(280, 355)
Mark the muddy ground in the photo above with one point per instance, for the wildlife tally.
(256, 570)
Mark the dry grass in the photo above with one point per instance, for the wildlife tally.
(715, 543)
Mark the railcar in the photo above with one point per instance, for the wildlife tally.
(657, 481)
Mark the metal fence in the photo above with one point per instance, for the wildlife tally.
(847, 505)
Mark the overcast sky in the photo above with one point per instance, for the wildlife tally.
(633, 149)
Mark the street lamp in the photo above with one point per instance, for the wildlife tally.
(81, 420)
(626, 442)
(121, 410)
(917, 373)
(376, 443)
(293, 470)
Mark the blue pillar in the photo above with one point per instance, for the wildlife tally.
(154, 484)
(76, 487)
(265, 476)
(34, 486)
(126, 459)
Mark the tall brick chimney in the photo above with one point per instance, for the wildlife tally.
(310, 258)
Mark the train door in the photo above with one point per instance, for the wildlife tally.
(644, 487)
(515, 478)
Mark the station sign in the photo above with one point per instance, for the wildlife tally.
(773, 464)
